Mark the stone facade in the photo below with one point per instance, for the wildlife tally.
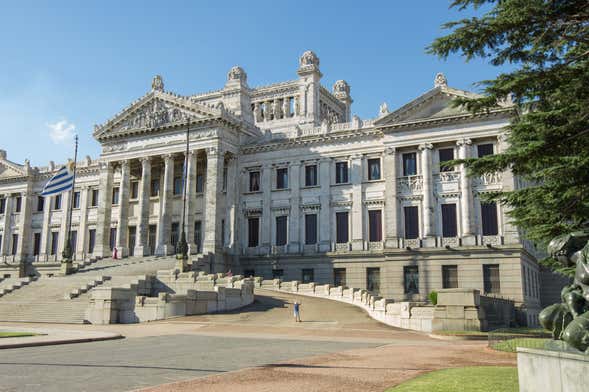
(284, 182)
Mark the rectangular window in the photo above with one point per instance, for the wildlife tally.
(253, 231)
(18, 204)
(282, 178)
(54, 242)
(2, 205)
(134, 190)
(341, 172)
(178, 184)
(73, 241)
(57, 202)
(198, 235)
(491, 278)
(200, 183)
(94, 198)
(484, 149)
(174, 235)
(40, 203)
(281, 230)
(411, 222)
(113, 238)
(341, 227)
(373, 280)
(254, 181)
(36, 244)
(76, 200)
(411, 279)
(489, 218)
(308, 275)
(374, 169)
(115, 195)
(277, 274)
(222, 232)
(155, 188)
(375, 225)
(339, 277)
(311, 175)
(445, 155)
(14, 244)
(310, 229)
(449, 276)
(409, 164)
(225, 174)
(91, 240)
(449, 226)
(249, 273)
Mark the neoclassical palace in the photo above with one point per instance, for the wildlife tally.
(282, 181)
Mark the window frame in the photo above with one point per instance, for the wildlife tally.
(369, 163)
(405, 167)
(345, 173)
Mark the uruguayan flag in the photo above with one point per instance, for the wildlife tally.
(62, 181)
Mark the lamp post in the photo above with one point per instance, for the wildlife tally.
(182, 246)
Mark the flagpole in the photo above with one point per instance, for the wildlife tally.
(182, 246)
(68, 252)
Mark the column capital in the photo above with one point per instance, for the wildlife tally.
(168, 158)
(425, 146)
(212, 151)
(390, 151)
(463, 142)
(105, 165)
(502, 137)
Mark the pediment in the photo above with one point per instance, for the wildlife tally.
(155, 110)
(434, 104)
(9, 169)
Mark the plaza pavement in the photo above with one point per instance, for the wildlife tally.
(337, 347)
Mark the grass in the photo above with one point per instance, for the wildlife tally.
(16, 334)
(501, 332)
(466, 379)
(510, 345)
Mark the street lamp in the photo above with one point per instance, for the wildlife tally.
(182, 245)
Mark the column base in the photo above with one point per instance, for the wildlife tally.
(324, 246)
(66, 269)
(468, 240)
(164, 250)
(357, 244)
(429, 242)
(122, 251)
(294, 247)
(141, 251)
(391, 243)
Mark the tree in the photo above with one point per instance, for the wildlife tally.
(546, 43)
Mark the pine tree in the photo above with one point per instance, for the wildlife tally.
(546, 43)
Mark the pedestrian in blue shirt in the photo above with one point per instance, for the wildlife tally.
(297, 311)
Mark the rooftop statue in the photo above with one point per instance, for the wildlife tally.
(569, 320)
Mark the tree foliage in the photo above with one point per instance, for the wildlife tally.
(546, 44)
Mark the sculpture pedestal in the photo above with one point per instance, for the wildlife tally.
(554, 371)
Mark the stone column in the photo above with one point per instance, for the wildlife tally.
(391, 203)
(102, 249)
(122, 231)
(141, 245)
(357, 207)
(6, 233)
(66, 199)
(324, 221)
(294, 242)
(80, 250)
(466, 199)
(428, 195)
(231, 205)
(164, 246)
(212, 240)
(46, 229)
(508, 229)
(266, 222)
(24, 249)
(190, 201)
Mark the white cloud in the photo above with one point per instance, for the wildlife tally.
(61, 132)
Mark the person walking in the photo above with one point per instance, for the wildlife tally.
(297, 311)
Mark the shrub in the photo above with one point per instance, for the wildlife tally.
(433, 297)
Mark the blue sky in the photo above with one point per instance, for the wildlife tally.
(65, 66)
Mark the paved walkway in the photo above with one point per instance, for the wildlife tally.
(336, 347)
(51, 336)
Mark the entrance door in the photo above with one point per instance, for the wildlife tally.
(151, 239)
(132, 237)
(339, 277)
(373, 280)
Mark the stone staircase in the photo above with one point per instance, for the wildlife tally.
(9, 285)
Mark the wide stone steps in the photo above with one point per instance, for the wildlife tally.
(67, 312)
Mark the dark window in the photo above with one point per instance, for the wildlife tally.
(374, 169)
(115, 195)
(277, 273)
(174, 234)
(341, 227)
(134, 189)
(373, 280)
(73, 241)
(225, 173)
(155, 188)
(281, 222)
(282, 178)
(311, 175)
(40, 203)
(178, 184)
(449, 227)
(2, 205)
(310, 229)
(491, 278)
(200, 184)
(489, 218)
(36, 244)
(446, 154)
(57, 202)
(222, 232)
(113, 238)
(198, 235)
(0, 241)
(76, 200)
(308, 275)
(253, 231)
(248, 273)
(375, 225)
(132, 240)
(411, 279)
(91, 240)
(54, 242)
(254, 181)
(411, 222)
(18, 204)
(341, 172)
(485, 149)
(14, 244)
(409, 164)
(339, 277)
(449, 277)
(94, 198)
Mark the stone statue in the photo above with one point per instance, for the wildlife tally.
(157, 84)
(383, 109)
(440, 80)
(569, 320)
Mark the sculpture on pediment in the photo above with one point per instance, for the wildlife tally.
(157, 84)
(383, 109)
(309, 58)
(341, 88)
(257, 112)
(440, 80)
(237, 73)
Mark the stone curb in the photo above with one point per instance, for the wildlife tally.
(458, 337)
(4, 346)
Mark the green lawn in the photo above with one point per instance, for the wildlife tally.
(511, 345)
(16, 334)
(466, 379)
(501, 332)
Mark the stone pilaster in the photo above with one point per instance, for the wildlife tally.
(190, 201)
(266, 221)
(212, 240)
(428, 195)
(391, 203)
(46, 229)
(122, 231)
(24, 250)
(141, 245)
(509, 230)
(80, 250)
(7, 232)
(466, 199)
(231, 205)
(324, 221)
(357, 207)
(66, 200)
(294, 242)
(102, 248)
(164, 247)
